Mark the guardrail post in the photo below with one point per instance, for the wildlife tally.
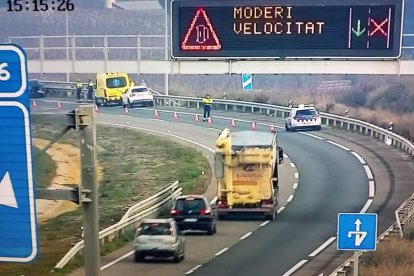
(42, 53)
(10, 39)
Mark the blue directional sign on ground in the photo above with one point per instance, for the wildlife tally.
(18, 229)
(247, 81)
(357, 231)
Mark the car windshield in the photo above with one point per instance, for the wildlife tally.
(155, 229)
(190, 204)
(116, 82)
(306, 112)
(141, 89)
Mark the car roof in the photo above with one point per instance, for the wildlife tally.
(192, 196)
(156, 221)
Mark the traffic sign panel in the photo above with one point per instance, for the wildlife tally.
(286, 29)
(357, 231)
(13, 71)
(247, 81)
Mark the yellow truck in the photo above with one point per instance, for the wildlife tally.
(110, 87)
(246, 169)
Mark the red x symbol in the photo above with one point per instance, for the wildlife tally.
(378, 27)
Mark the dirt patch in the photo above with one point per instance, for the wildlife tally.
(67, 160)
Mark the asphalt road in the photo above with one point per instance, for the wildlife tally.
(331, 181)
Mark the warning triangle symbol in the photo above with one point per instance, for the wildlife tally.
(201, 35)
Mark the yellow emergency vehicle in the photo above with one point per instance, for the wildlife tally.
(110, 87)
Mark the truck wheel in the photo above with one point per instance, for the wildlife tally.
(286, 127)
(177, 258)
(138, 257)
(271, 217)
(105, 102)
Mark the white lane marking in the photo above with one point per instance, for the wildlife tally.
(322, 247)
(48, 113)
(221, 251)
(160, 132)
(295, 186)
(312, 135)
(296, 267)
(280, 209)
(123, 115)
(193, 269)
(371, 190)
(290, 198)
(245, 236)
(187, 124)
(339, 145)
(285, 155)
(216, 129)
(117, 260)
(367, 205)
(368, 171)
(360, 159)
(264, 223)
(158, 120)
(297, 175)
(292, 165)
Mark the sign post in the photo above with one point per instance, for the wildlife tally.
(357, 232)
(18, 225)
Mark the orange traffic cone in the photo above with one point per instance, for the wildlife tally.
(59, 106)
(209, 121)
(253, 126)
(126, 110)
(233, 123)
(96, 108)
(175, 116)
(156, 115)
(196, 119)
(272, 128)
(34, 104)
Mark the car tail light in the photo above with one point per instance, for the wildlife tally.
(205, 212)
(174, 212)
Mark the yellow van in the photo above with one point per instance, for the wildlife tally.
(110, 86)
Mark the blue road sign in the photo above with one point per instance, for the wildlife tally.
(18, 226)
(357, 231)
(247, 81)
(13, 72)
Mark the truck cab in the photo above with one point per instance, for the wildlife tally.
(110, 87)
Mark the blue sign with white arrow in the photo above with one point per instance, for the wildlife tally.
(357, 231)
(18, 227)
(247, 81)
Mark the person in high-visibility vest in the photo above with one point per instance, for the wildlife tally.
(79, 87)
(90, 89)
(207, 101)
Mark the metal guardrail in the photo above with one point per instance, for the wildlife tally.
(135, 213)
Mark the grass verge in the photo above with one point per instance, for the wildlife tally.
(44, 168)
(135, 164)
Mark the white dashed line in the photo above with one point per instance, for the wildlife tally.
(47, 113)
(221, 251)
(216, 129)
(367, 205)
(193, 269)
(187, 124)
(339, 145)
(313, 136)
(296, 267)
(292, 165)
(245, 236)
(360, 159)
(295, 186)
(117, 260)
(290, 198)
(285, 155)
(297, 175)
(371, 190)
(368, 171)
(322, 247)
(264, 223)
(280, 209)
(158, 120)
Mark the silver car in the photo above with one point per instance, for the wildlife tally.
(159, 238)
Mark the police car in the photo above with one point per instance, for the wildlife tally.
(303, 117)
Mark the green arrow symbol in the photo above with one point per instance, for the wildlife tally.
(358, 31)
